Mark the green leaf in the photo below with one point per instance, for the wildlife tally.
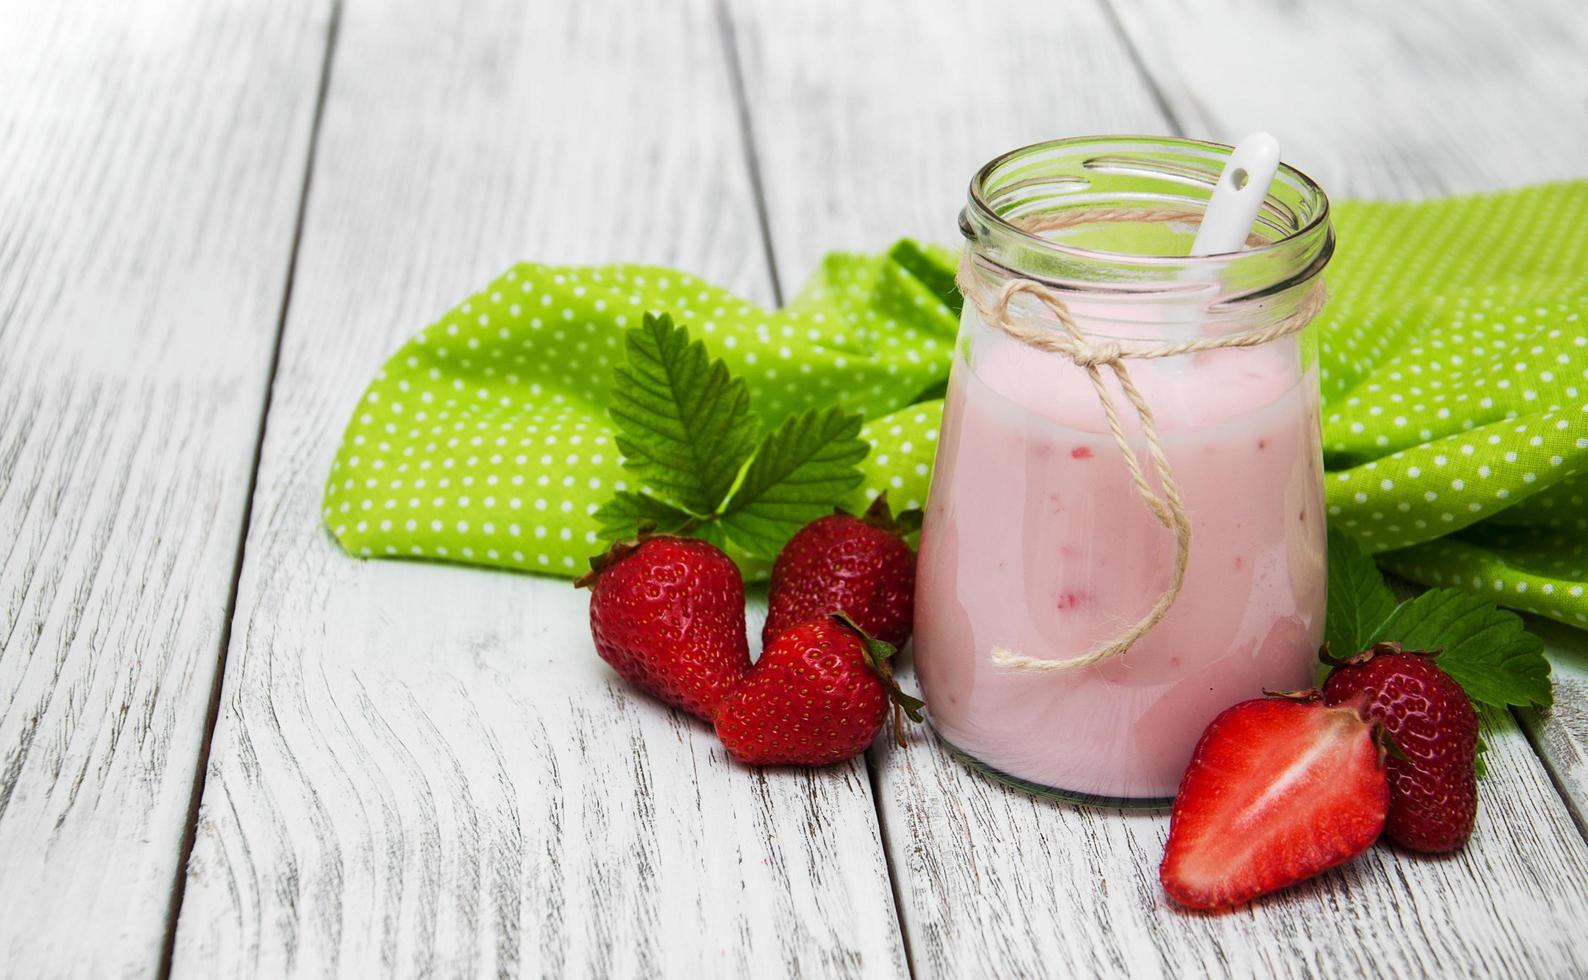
(799, 471)
(1478, 764)
(878, 653)
(711, 532)
(1359, 600)
(1486, 648)
(622, 516)
(684, 425)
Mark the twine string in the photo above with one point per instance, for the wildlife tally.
(1071, 343)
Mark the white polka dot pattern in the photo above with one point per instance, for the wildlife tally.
(1454, 364)
(1452, 354)
(485, 438)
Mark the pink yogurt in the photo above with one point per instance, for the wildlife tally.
(1035, 541)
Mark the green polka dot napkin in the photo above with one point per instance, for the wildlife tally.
(1453, 357)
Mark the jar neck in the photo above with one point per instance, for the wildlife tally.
(1108, 222)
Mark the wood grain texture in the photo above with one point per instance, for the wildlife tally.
(151, 160)
(1043, 888)
(1560, 732)
(425, 770)
(995, 882)
(1411, 101)
(870, 118)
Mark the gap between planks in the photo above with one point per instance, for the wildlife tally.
(757, 181)
(746, 126)
(359, 831)
(212, 713)
(752, 162)
(151, 183)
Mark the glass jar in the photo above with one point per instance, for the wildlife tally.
(1035, 540)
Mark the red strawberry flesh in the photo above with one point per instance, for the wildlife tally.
(668, 615)
(1277, 790)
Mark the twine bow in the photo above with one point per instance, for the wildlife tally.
(1072, 343)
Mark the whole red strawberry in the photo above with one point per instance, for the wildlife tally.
(818, 694)
(668, 614)
(861, 566)
(1433, 782)
(1277, 790)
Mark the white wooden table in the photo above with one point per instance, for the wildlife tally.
(226, 748)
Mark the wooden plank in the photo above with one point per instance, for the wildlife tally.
(856, 151)
(1560, 733)
(1418, 100)
(153, 156)
(993, 881)
(422, 769)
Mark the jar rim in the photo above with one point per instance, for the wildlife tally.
(988, 213)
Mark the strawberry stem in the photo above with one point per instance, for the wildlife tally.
(618, 550)
(1382, 647)
(880, 515)
(1308, 696)
(878, 655)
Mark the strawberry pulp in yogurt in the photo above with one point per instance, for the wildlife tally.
(1036, 542)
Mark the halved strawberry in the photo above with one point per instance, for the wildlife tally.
(1278, 790)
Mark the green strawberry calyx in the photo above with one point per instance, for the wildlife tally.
(1381, 648)
(879, 653)
(623, 547)
(881, 516)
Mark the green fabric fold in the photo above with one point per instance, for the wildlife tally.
(1453, 359)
